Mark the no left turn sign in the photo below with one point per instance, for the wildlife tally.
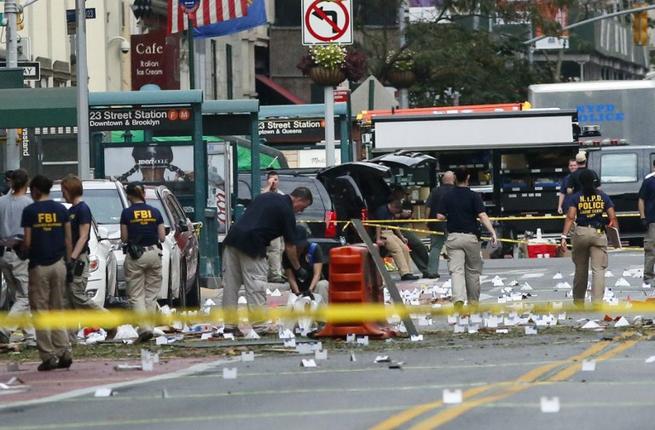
(327, 21)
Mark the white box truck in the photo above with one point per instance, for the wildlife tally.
(622, 109)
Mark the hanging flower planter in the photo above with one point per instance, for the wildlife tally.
(329, 65)
(401, 78)
(400, 68)
(327, 77)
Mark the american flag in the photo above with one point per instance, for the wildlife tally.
(209, 12)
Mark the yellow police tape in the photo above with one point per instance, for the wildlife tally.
(434, 220)
(334, 313)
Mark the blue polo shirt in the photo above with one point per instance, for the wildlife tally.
(142, 223)
(647, 194)
(47, 219)
(590, 209)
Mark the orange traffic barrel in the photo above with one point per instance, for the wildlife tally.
(353, 279)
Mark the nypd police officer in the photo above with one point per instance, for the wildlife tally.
(47, 238)
(142, 231)
(589, 241)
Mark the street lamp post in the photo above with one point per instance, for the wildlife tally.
(83, 152)
(12, 9)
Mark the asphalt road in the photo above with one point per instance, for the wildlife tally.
(503, 379)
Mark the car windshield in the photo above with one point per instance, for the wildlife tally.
(106, 205)
(156, 203)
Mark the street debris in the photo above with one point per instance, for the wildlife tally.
(103, 392)
(588, 365)
(550, 405)
(452, 397)
(308, 363)
(650, 359)
(382, 359)
(320, 355)
(247, 356)
(622, 282)
(229, 373)
(396, 365)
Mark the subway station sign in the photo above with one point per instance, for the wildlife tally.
(164, 119)
(305, 130)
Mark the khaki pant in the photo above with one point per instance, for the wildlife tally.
(15, 273)
(242, 269)
(76, 297)
(589, 244)
(649, 255)
(143, 278)
(322, 289)
(398, 251)
(274, 253)
(465, 266)
(46, 292)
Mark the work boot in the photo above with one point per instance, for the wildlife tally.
(65, 361)
(409, 277)
(50, 364)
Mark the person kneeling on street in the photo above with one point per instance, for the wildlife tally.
(47, 238)
(142, 231)
(311, 260)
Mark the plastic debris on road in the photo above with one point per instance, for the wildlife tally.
(591, 325)
(252, 334)
(353, 357)
(588, 365)
(308, 363)
(125, 332)
(247, 356)
(622, 282)
(650, 359)
(382, 359)
(417, 338)
(229, 373)
(550, 405)
(362, 341)
(609, 274)
(558, 275)
(452, 397)
(320, 355)
(530, 330)
(622, 322)
(103, 392)
(526, 287)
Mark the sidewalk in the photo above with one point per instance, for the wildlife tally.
(34, 385)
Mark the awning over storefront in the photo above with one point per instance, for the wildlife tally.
(282, 93)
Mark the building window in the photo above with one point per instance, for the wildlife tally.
(617, 168)
(287, 13)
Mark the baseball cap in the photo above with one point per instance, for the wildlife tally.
(581, 157)
(300, 238)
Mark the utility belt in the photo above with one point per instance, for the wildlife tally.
(598, 228)
(136, 251)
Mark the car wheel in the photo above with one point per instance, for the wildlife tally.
(193, 297)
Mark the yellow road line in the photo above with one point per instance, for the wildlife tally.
(449, 415)
(404, 417)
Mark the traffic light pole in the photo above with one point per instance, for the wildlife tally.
(12, 9)
(590, 20)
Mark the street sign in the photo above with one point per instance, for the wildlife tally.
(341, 96)
(326, 21)
(552, 43)
(71, 25)
(31, 70)
(189, 6)
(161, 119)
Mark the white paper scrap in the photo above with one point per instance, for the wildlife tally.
(351, 338)
(530, 330)
(247, 356)
(276, 293)
(526, 287)
(320, 355)
(550, 405)
(308, 362)
(362, 341)
(229, 373)
(650, 359)
(304, 348)
(228, 336)
(382, 359)
(290, 343)
(622, 322)
(103, 392)
(558, 275)
(502, 331)
(205, 336)
(452, 397)
(417, 338)
(473, 328)
(588, 365)
(591, 325)
(621, 282)
(252, 334)
(161, 340)
(457, 329)
(609, 274)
